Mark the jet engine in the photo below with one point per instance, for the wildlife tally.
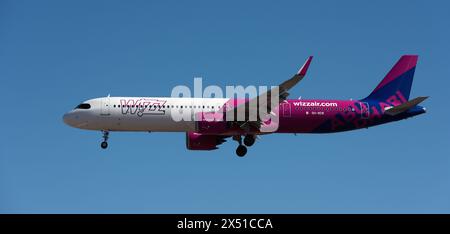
(198, 141)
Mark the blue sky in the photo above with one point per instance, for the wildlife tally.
(55, 54)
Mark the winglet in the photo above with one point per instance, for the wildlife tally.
(304, 69)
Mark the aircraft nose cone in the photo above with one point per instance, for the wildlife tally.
(75, 119)
(66, 118)
(70, 119)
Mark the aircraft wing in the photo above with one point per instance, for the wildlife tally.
(249, 107)
(288, 84)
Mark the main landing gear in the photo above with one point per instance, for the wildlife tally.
(249, 140)
(104, 144)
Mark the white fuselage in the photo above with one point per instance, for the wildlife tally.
(140, 113)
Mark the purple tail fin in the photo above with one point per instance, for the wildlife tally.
(396, 85)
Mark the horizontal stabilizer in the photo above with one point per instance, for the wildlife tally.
(405, 106)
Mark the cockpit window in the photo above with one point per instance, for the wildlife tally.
(83, 106)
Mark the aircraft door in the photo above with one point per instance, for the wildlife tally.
(105, 106)
(365, 110)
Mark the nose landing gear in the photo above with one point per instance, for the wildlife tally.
(104, 144)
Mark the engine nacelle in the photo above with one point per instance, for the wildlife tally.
(198, 141)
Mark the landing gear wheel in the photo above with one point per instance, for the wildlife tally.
(249, 140)
(104, 144)
(241, 151)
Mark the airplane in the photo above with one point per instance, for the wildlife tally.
(388, 102)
